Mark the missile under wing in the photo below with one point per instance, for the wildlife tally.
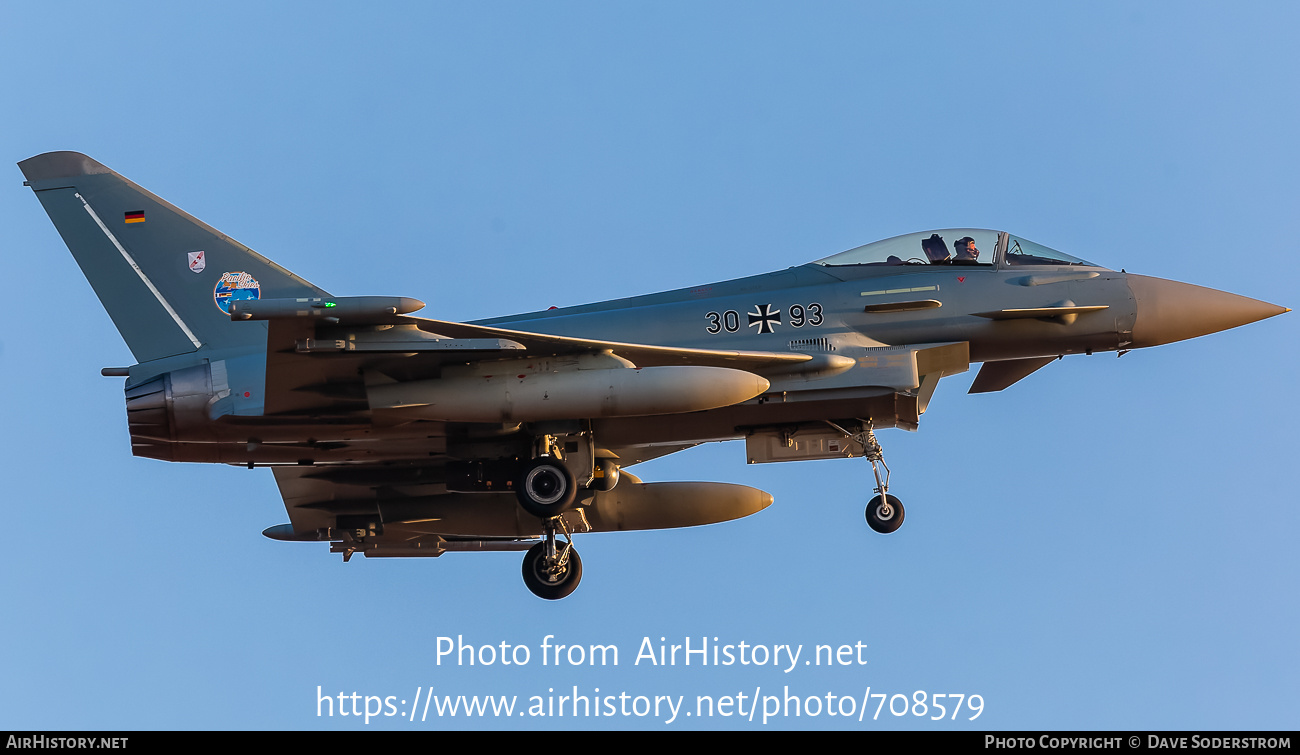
(391, 434)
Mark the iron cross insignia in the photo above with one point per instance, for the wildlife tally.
(764, 317)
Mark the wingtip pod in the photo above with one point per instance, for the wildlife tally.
(338, 307)
(51, 165)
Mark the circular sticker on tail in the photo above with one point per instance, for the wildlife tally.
(235, 287)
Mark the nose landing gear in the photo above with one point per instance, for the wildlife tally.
(884, 512)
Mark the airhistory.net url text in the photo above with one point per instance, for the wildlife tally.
(666, 708)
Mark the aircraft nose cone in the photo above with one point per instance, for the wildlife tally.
(1169, 311)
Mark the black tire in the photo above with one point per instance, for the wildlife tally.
(546, 585)
(609, 478)
(545, 488)
(885, 519)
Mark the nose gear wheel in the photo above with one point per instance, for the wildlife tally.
(884, 512)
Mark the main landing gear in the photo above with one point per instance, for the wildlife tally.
(552, 570)
(884, 512)
(547, 488)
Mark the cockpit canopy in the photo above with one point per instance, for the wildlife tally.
(954, 246)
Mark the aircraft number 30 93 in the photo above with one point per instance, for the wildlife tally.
(765, 318)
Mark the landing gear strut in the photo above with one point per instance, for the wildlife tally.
(552, 570)
(884, 512)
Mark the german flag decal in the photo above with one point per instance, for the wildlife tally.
(136, 216)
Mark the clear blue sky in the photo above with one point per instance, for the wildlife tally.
(1110, 544)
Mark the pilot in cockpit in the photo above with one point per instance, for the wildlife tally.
(966, 251)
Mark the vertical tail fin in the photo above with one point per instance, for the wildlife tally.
(165, 277)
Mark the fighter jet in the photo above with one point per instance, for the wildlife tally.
(395, 435)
